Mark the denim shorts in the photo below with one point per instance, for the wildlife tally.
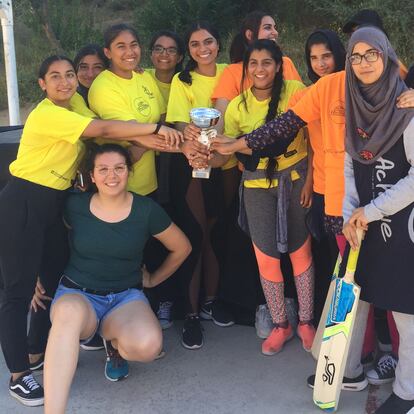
(103, 305)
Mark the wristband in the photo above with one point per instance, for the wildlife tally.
(159, 125)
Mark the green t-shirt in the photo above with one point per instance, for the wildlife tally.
(105, 256)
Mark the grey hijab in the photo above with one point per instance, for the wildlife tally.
(373, 122)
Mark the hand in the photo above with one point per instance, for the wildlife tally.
(306, 194)
(349, 231)
(191, 132)
(358, 219)
(146, 278)
(222, 139)
(136, 153)
(406, 99)
(173, 138)
(194, 149)
(38, 297)
(198, 163)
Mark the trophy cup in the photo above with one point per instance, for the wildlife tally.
(204, 118)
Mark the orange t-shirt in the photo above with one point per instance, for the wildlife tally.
(325, 101)
(229, 83)
(316, 141)
(403, 70)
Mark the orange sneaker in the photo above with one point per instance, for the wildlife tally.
(275, 341)
(306, 332)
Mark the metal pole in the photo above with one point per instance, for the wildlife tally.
(6, 14)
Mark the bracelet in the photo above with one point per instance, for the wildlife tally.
(158, 127)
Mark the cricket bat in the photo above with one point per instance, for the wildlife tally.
(316, 346)
(337, 336)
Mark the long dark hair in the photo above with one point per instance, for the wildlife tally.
(185, 75)
(178, 41)
(240, 42)
(45, 65)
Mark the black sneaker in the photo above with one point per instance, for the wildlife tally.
(27, 390)
(95, 344)
(192, 333)
(214, 310)
(348, 384)
(38, 365)
(395, 405)
(384, 371)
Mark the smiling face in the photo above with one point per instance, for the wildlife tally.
(367, 72)
(322, 60)
(267, 29)
(60, 82)
(110, 173)
(262, 69)
(89, 68)
(203, 47)
(124, 53)
(164, 54)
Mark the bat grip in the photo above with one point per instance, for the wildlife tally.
(353, 254)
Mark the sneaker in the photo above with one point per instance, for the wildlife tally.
(116, 368)
(94, 344)
(38, 365)
(306, 333)
(214, 310)
(368, 360)
(348, 384)
(164, 314)
(384, 371)
(395, 405)
(192, 333)
(263, 323)
(27, 390)
(160, 355)
(274, 343)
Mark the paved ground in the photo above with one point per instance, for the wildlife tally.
(228, 375)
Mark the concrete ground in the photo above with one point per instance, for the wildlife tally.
(228, 375)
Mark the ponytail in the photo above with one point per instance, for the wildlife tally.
(185, 75)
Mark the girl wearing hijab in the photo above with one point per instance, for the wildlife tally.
(379, 194)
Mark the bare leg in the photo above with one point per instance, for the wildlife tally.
(72, 319)
(134, 330)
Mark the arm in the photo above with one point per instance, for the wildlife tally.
(221, 104)
(179, 247)
(306, 193)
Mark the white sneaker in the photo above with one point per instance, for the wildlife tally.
(264, 324)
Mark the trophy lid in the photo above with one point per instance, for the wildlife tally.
(205, 117)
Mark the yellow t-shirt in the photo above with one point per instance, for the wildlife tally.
(162, 86)
(78, 105)
(139, 99)
(50, 146)
(239, 121)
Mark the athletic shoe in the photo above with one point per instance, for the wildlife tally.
(27, 390)
(95, 344)
(116, 368)
(274, 343)
(38, 365)
(348, 384)
(214, 310)
(263, 323)
(160, 355)
(395, 405)
(306, 333)
(192, 333)
(384, 371)
(164, 314)
(368, 360)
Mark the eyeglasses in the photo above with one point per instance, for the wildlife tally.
(118, 170)
(159, 50)
(370, 56)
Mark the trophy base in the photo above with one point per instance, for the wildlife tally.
(201, 172)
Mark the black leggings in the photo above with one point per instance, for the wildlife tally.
(33, 243)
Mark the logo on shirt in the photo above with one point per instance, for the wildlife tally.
(337, 112)
(147, 92)
(142, 106)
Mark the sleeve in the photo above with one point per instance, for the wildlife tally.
(179, 104)
(289, 70)
(231, 120)
(158, 219)
(401, 194)
(351, 198)
(227, 87)
(278, 133)
(308, 108)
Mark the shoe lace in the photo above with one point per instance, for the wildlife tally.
(30, 382)
(386, 363)
(164, 310)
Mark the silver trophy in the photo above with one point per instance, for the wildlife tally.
(206, 119)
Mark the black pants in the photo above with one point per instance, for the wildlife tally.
(33, 244)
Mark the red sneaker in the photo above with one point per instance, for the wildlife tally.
(306, 332)
(275, 341)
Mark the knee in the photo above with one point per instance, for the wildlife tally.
(68, 311)
(144, 349)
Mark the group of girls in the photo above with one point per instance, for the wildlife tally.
(116, 225)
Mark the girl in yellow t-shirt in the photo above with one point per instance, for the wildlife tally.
(271, 209)
(32, 237)
(195, 201)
